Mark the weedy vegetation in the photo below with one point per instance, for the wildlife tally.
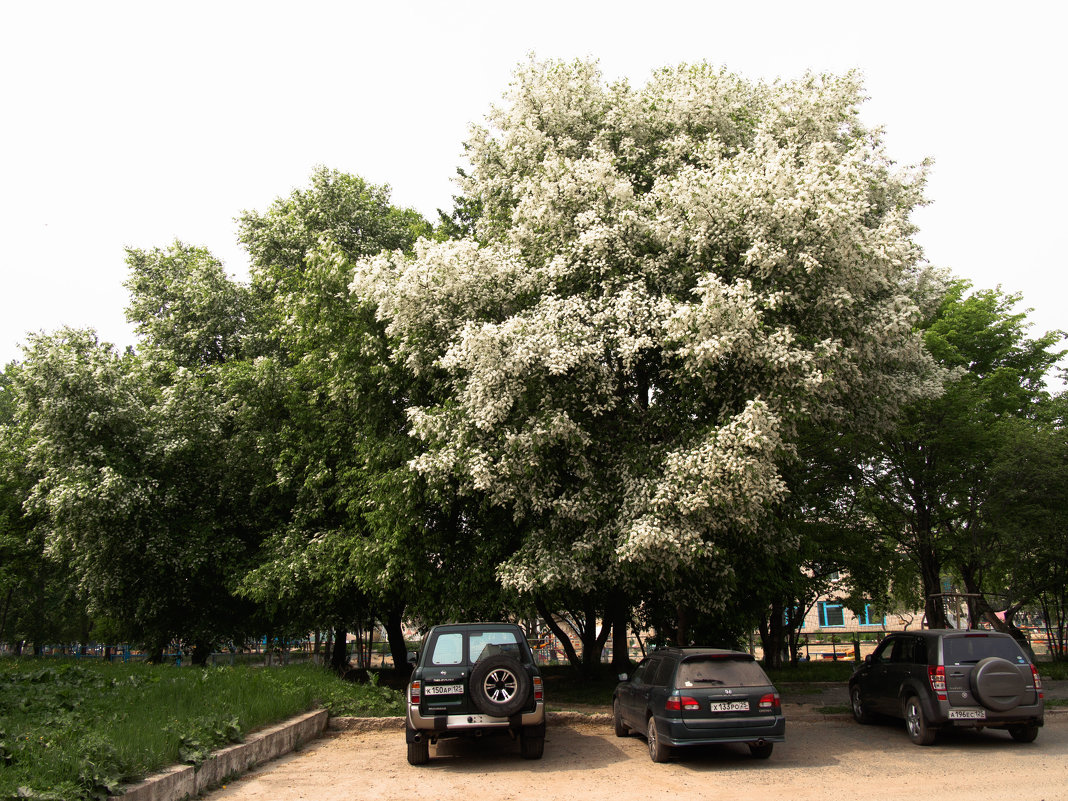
(74, 730)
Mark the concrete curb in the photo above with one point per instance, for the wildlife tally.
(186, 781)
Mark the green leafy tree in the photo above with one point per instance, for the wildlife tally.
(663, 282)
(931, 479)
(335, 428)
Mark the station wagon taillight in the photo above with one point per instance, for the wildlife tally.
(769, 702)
(677, 703)
(936, 674)
(415, 692)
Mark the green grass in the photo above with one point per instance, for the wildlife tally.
(805, 672)
(76, 730)
(1053, 670)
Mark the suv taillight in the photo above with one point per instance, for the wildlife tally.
(539, 693)
(770, 702)
(1038, 682)
(936, 674)
(677, 703)
(415, 692)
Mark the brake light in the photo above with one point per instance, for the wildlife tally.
(936, 674)
(677, 703)
(1038, 682)
(770, 701)
(539, 693)
(415, 692)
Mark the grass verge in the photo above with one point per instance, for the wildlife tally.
(75, 730)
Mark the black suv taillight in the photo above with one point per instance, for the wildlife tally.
(415, 692)
(936, 674)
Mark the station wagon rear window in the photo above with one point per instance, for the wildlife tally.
(713, 672)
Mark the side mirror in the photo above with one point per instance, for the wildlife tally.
(867, 659)
(623, 677)
(413, 657)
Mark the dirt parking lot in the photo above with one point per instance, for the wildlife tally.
(828, 759)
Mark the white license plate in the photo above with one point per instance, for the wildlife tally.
(444, 689)
(730, 706)
(967, 714)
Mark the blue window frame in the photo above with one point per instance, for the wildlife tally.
(870, 617)
(831, 615)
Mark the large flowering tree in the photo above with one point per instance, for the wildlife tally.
(664, 283)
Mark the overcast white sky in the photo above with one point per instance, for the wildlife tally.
(133, 124)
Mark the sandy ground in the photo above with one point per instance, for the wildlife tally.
(821, 759)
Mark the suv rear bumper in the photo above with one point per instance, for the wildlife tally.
(938, 713)
(442, 725)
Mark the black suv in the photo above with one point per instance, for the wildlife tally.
(472, 679)
(936, 679)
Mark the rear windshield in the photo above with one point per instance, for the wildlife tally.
(448, 648)
(970, 649)
(714, 671)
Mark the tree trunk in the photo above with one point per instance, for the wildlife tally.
(620, 648)
(934, 606)
(339, 659)
(201, 652)
(554, 627)
(773, 636)
(398, 649)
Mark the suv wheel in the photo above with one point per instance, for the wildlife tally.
(1024, 734)
(860, 714)
(499, 686)
(531, 745)
(658, 752)
(419, 753)
(920, 731)
(617, 720)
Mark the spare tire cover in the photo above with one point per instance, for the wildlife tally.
(499, 686)
(998, 684)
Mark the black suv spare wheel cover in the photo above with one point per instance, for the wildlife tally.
(499, 686)
(998, 684)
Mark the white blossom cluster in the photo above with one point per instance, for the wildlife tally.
(664, 282)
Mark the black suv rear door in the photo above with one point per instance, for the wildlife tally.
(445, 675)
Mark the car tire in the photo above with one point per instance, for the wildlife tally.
(856, 703)
(919, 729)
(658, 751)
(997, 684)
(531, 746)
(761, 750)
(419, 752)
(620, 727)
(499, 686)
(1024, 734)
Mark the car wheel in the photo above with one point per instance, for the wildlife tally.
(617, 720)
(860, 714)
(1024, 734)
(419, 753)
(499, 686)
(761, 750)
(920, 731)
(531, 746)
(658, 752)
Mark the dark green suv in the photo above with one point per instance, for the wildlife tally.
(474, 679)
(936, 679)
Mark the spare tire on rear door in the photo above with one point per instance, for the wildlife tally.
(998, 684)
(499, 686)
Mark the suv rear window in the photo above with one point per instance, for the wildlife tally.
(712, 671)
(972, 648)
